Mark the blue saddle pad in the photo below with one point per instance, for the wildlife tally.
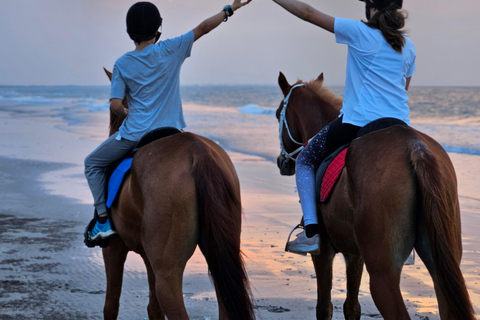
(116, 180)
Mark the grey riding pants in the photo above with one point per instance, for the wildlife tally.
(96, 165)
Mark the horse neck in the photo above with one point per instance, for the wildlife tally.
(314, 115)
(115, 122)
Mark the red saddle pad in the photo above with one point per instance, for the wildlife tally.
(331, 175)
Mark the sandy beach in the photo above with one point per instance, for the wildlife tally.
(47, 273)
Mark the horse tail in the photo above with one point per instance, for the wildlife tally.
(437, 183)
(219, 207)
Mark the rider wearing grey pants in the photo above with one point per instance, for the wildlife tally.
(96, 164)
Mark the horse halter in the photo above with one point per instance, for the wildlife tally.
(283, 123)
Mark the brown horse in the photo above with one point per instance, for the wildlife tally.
(183, 190)
(398, 191)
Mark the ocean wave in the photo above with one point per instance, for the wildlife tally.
(89, 104)
(461, 150)
(30, 100)
(98, 107)
(253, 109)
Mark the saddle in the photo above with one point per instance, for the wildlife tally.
(331, 168)
(116, 173)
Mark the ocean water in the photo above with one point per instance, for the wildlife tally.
(242, 118)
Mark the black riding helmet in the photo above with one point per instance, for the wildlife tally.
(380, 4)
(143, 21)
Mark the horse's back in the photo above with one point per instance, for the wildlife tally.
(176, 152)
(171, 164)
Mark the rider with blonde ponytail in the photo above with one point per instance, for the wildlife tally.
(380, 64)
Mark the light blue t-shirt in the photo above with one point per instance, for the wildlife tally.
(151, 80)
(376, 74)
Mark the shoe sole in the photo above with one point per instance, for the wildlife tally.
(104, 235)
(304, 250)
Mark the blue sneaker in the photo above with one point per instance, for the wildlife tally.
(102, 231)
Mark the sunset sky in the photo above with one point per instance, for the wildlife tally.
(59, 42)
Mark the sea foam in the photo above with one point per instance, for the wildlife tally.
(253, 109)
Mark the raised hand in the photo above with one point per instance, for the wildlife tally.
(238, 4)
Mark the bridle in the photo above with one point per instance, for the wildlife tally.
(283, 122)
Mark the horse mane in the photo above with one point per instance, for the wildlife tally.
(116, 120)
(327, 103)
(325, 94)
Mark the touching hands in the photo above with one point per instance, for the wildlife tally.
(238, 4)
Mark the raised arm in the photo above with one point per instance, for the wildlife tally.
(308, 13)
(214, 21)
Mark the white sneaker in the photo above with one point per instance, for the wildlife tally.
(304, 245)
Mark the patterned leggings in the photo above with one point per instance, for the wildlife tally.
(327, 140)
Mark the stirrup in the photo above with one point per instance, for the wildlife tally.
(298, 226)
(102, 243)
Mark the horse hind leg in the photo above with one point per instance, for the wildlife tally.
(351, 307)
(385, 290)
(169, 238)
(384, 263)
(114, 257)
(154, 310)
(323, 264)
(167, 288)
(384, 260)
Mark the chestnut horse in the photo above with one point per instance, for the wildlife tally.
(183, 190)
(398, 191)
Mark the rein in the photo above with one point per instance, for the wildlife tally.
(283, 123)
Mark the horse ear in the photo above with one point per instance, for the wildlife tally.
(320, 77)
(109, 74)
(283, 83)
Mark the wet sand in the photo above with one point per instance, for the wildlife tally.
(47, 273)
